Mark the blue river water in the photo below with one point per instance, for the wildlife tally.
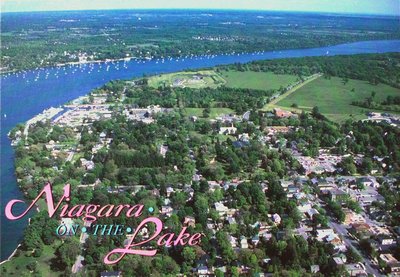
(26, 94)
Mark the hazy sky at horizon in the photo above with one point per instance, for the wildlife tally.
(348, 6)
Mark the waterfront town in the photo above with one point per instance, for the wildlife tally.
(329, 196)
(200, 138)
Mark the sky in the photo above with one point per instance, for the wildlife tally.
(391, 7)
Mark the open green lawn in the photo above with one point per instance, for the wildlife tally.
(257, 80)
(18, 265)
(208, 139)
(213, 114)
(334, 98)
(235, 79)
(192, 79)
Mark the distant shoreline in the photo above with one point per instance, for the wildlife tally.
(361, 14)
(71, 63)
(129, 59)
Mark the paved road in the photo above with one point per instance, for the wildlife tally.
(78, 264)
(340, 229)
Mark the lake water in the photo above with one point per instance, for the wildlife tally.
(24, 95)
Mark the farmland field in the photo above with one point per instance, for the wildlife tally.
(334, 97)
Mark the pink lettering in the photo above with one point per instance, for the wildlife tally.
(127, 250)
(49, 200)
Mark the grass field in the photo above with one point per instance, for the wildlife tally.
(334, 98)
(18, 266)
(213, 114)
(192, 79)
(273, 104)
(257, 80)
(234, 79)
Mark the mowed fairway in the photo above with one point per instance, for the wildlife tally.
(257, 80)
(334, 98)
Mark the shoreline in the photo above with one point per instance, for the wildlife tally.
(72, 63)
(19, 244)
(128, 59)
(12, 255)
